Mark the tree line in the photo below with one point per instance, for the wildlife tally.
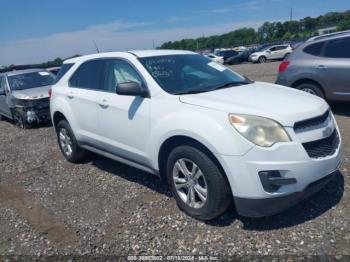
(268, 32)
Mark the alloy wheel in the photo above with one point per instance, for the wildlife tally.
(65, 142)
(190, 183)
(309, 90)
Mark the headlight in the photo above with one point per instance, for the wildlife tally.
(259, 130)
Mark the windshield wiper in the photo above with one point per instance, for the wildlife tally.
(231, 84)
(191, 92)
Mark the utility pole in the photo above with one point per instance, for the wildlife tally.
(291, 14)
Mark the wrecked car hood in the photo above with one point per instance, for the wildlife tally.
(32, 93)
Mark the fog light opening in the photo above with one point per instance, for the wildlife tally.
(272, 180)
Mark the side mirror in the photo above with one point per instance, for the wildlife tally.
(131, 89)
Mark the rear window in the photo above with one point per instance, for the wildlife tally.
(314, 49)
(339, 48)
(63, 70)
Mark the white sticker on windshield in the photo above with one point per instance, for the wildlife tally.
(43, 73)
(217, 66)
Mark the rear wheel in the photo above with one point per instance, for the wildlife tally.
(262, 59)
(311, 88)
(198, 186)
(68, 143)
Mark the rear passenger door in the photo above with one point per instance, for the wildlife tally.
(334, 67)
(124, 121)
(83, 96)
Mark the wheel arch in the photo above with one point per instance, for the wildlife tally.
(172, 142)
(308, 80)
(57, 117)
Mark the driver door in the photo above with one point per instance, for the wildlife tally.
(124, 121)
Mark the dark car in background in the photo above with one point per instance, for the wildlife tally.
(240, 57)
(225, 54)
(24, 96)
(320, 66)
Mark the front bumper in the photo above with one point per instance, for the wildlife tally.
(253, 59)
(270, 206)
(292, 162)
(37, 115)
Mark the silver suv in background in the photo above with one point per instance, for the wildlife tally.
(320, 66)
(24, 96)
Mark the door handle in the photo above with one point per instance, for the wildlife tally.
(321, 67)
(104, 103)
(70, 95)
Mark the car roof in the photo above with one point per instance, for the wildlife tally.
(329, 36)
(137, 53)
(25, 71)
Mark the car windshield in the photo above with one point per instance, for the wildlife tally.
(186, 74)
(31, 80)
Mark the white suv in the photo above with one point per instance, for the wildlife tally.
(275, 52)
(211, 134)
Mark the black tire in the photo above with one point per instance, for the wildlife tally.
(1, 117)
(19, 119)
(285, 56)
(77, 154)
(262, 60)
(218, 196)
(311, 88)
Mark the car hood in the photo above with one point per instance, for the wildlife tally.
(283, 104)
(32, 93)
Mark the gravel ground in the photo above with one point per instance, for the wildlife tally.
(51, 207)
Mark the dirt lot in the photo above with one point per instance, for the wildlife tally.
(49, 206)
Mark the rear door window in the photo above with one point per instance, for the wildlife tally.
(338, 48)
(314, 49)
(88, 75)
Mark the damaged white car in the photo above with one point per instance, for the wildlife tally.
(24, 96)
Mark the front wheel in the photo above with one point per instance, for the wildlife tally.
(19, 119)
(262, 59)
(68, 143)
(199, 187)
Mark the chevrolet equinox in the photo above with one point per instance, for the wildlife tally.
(211, 134)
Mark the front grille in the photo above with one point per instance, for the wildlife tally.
(323, 147)
(312, 122)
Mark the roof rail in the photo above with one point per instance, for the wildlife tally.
(315, 38)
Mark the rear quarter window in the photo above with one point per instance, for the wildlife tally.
(63, 70)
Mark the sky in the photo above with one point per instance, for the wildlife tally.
(40, 30)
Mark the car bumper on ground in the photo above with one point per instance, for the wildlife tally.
(294, 176)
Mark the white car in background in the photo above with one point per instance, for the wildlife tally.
(211, 134)
(217, 59)
(276, 52)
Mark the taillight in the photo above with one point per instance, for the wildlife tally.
(50, 92)
(283, 66)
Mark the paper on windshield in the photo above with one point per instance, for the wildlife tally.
(217, 66)
(43, 73)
